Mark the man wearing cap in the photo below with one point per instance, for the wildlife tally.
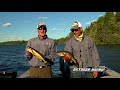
(44, 46)
(84, 51)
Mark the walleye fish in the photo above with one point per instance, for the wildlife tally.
(62, 53)
(36, 54)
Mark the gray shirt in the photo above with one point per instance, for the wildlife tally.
(84, 51)
(46, 47)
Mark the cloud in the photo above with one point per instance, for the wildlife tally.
(42, 17)
(87, 22)
(13, 37)
(7, 24)
(100, 15)
(55, 29)
(93, 20)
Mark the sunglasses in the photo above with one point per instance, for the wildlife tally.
(42, 28)
(72, 30)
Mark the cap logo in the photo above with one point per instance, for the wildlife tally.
(75, 25)
(41, 24)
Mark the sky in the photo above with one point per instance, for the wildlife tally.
(23, 25)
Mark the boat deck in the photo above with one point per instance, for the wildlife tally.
(107, 74)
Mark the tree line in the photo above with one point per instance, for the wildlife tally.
(104, 31)
(19, 42)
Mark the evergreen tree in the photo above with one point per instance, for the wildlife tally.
(109, 19)
(117, 17)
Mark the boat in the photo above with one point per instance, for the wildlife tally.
(24, 75)
(107, 73)
(8, 74)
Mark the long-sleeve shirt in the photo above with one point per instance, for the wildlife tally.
(46, 47)
(84, 51)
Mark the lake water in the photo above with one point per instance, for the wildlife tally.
(12, 59)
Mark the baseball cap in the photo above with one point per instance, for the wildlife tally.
(41, 25)
(76, 25)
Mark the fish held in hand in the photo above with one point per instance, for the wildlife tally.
(36, 54)
(62, 53)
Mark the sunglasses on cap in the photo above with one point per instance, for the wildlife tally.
(42, 28)
(72, 30)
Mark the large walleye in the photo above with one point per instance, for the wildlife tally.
(62, 53)
(36, 54)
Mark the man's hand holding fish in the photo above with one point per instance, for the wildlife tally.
(67, 57)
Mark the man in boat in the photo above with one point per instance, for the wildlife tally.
(46, 47)
(84, 51)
